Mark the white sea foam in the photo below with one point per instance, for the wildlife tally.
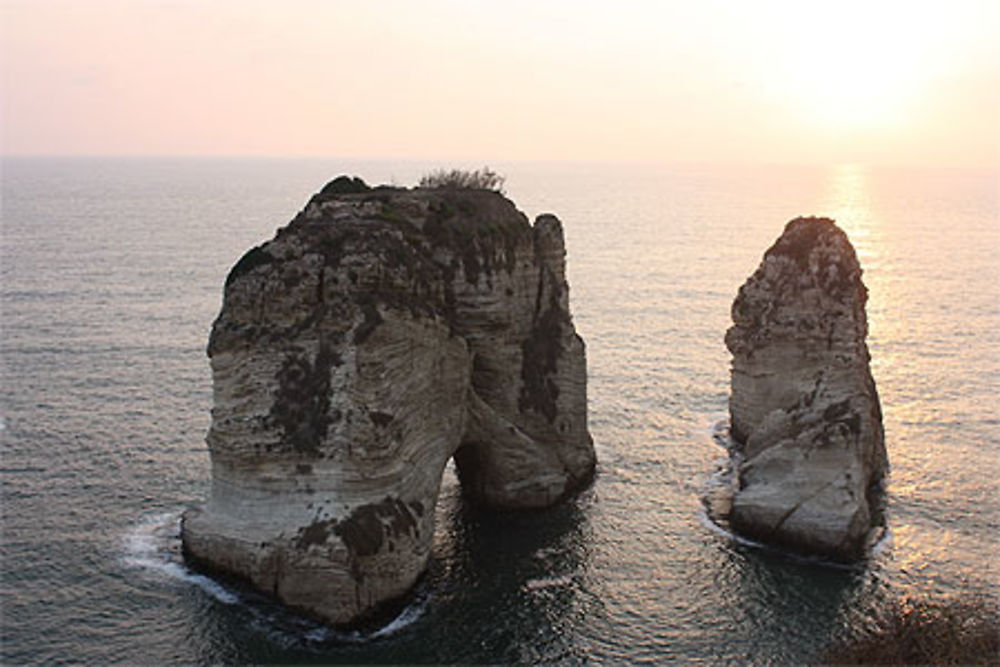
(207, 584)
(319, 634)
(882, 544)
(706, 521)
(540, 583)
(543, 553)
(409, 615)
(718, 431)
(147, 544)
(153, 546)
(406, 617)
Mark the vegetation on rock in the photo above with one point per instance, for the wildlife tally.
(480, 179)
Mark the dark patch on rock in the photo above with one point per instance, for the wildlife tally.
(835, 272)
(372, 318)
(303, 469)
(841, 414)
(481, 228)
(332, 248)
(799, 238)
(809, 398)
(303, 399)
(315, 533)
(380, 419)
(253, 258)
(541, 352)
(367, 527)
(470, 262)
(854, 423)
(417, 507)
(291, 279)
(391, 215)
(835, 411)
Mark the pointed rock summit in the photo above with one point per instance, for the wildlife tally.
(804, 410)
(381, 333)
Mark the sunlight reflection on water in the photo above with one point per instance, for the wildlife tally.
(848, 201)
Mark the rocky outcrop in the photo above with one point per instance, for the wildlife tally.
(804, 410)
(379, 334)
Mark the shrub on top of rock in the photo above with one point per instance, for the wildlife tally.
(480, 179)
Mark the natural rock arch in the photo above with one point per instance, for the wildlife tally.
(379, 334)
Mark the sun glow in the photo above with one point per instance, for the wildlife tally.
(855, 65)
(787, 81)
(851, 89)
(848, 201)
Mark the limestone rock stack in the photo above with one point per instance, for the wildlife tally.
(380, 333)
(804, 409)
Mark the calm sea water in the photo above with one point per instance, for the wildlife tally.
(111, 276)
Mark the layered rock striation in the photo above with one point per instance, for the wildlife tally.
(379, 334)
(804, 410)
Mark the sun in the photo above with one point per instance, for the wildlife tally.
(853, 65)
(856, 85)
(855, 88)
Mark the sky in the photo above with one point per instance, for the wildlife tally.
(705, 81)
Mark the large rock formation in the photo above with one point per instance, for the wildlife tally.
(380, 333)
(804, 409)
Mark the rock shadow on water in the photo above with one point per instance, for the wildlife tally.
(790, 609)
(518, 582)
(782, 603)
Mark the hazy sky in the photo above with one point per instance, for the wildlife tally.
(797, 81)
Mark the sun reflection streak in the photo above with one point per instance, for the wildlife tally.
(848, 201)
(920, 551)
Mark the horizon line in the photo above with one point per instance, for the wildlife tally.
(466, 161)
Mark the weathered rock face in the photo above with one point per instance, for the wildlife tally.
(803, 407)
(380, 333)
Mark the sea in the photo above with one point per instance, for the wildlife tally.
(111, 273)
